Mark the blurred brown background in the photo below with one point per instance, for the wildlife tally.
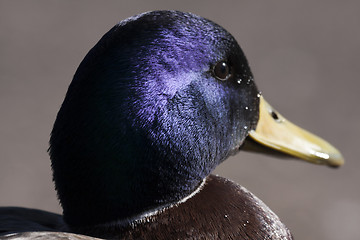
(305, 56)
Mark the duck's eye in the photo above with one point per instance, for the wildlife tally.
(222, 70)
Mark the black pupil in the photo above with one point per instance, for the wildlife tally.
(222, 70)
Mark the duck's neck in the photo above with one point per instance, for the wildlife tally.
(108, 229)
(148, 216)
(108, 204)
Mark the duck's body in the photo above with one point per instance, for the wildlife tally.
(155, 106)
(221, 209)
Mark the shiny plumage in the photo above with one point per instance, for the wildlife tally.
(154, 107)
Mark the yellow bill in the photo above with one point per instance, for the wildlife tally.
(277, 133)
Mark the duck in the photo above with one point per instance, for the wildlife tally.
(155, 106)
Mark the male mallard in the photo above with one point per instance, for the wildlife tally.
(154, 107)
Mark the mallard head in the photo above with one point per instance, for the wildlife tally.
(154, 107)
